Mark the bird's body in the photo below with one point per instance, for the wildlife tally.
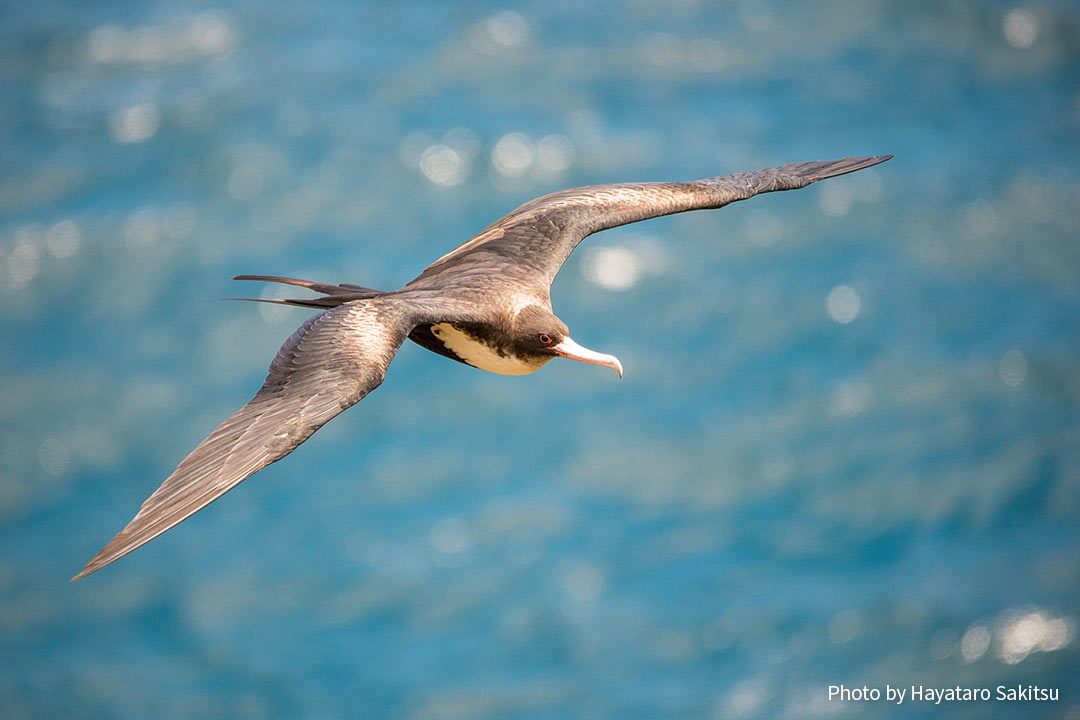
(486, 304)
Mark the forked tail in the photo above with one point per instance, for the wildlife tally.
(334, 295)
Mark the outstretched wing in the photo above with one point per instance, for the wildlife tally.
(531, 243)
(330, 363)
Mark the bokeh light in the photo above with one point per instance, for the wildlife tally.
(1020, 28)
(134, 124)
(842, 304)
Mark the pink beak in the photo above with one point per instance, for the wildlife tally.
(570, 349)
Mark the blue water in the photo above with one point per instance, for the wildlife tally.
(846, 449)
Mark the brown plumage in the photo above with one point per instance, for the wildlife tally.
(485, 303)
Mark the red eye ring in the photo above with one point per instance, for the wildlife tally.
(545, 338)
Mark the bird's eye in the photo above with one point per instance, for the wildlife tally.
(546, 339)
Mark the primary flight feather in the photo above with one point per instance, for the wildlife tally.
(486, 304)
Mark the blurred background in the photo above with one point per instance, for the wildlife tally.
(846, 449)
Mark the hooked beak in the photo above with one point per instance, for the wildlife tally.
(570, 349)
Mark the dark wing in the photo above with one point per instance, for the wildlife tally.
(531, 243)
(330, 363)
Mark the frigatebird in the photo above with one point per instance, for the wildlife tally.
(486, 303)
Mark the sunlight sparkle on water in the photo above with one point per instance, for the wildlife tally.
(1013, 368)
(975, 643)
(1031, 630)
(612, 268)
(507, 28)
(842, 304)
(22, 263)
(512, 154)
(134, 124)
(63, 239)
(207, 34)
(1020, 28)
(444, 166)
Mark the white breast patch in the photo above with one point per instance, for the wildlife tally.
(480, 354)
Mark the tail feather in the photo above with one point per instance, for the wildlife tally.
(321, 303)
(324, 288)
(335, 294)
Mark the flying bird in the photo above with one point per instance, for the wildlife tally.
(486, 304)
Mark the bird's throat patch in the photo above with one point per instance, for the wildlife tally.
(480, 354)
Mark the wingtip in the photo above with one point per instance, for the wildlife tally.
(83, 573)
(815, 171)
(109, 554)
(260, 278)
(96, 563)
(864, 162)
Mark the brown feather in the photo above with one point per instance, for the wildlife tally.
(330, 363)
(531, 243)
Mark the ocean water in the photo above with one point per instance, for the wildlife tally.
(846, 450)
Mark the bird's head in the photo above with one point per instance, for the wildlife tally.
(538, 333)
